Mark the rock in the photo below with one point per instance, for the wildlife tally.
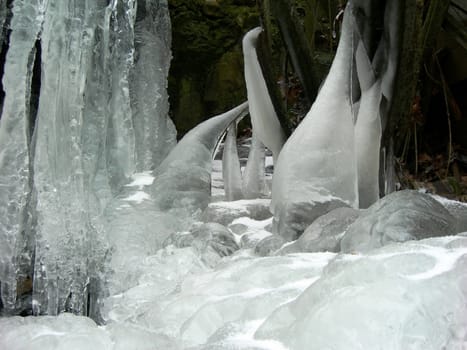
(325, 233)
(293, 218)
(269, 245)
(225, 212)
(398, 217)
(216, 236)
(457, 209)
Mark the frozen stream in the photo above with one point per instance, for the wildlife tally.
(402, 296)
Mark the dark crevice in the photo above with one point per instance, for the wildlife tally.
(35, 87)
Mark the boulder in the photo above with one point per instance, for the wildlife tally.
(225, 212)
(398, 217)
(325, 233)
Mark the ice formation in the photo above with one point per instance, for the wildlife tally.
(127, 248)
(326, 173)
(183, 179)
(63, 163)
(231, 166)
(263, 116)
(367, 130)
(254, 183)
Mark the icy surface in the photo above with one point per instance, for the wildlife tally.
(263, 116)
(326, 172)
(403, 296)
(231, 166)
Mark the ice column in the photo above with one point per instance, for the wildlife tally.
(64, 234)
(155, 133)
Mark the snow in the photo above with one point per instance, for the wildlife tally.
(141, 179)
(137, 197)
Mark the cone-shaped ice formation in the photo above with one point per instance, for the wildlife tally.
(316, 170)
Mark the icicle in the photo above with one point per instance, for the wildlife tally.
(254, 173)
(65, 237)
(263, 116)
(155, 133)
(15, 146)
(231, 166)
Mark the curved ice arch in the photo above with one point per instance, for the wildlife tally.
(183, 180)
(263, 116)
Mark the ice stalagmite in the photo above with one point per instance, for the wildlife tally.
(254, 172)
(367, 130)
(15, 138)
(231, 166)
(263, 116)
(316, 170)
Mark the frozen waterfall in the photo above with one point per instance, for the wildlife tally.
(99, 110)
(110, 236)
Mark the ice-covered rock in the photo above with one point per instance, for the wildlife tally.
(225, 212)
(269, 245)
(325, 233)
(402, 296)
(215, 236)
(457, 209)
(398, 217)
(291, 219)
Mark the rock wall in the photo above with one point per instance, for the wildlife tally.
(206, 75)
